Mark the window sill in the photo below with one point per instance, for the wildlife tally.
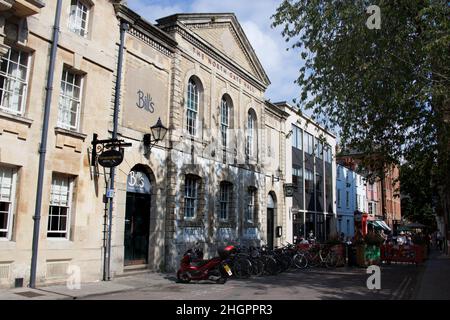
(74, 134)
(16, 118)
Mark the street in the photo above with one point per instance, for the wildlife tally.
(397, 282)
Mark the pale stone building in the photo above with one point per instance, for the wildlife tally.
(216, 178)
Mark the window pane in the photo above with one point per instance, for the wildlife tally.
(69, 102)
(13, 81)
(4, 214)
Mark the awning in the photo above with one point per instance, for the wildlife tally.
(380, 224)
(384, 225)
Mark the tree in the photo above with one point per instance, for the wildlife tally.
(386, 90)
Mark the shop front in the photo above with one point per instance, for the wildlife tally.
(137, 217)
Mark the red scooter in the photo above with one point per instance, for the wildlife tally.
(193, 267)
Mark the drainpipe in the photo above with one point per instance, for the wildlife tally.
(43, 145)
(124, 27)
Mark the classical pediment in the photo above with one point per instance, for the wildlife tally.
(223, 32)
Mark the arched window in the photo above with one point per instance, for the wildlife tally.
(251, 128)
(225, 114)
(193, 97)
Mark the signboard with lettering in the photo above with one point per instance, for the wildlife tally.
(146, 94)
(110, 158)
(138, 182)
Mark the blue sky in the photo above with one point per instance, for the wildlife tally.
(254, 16)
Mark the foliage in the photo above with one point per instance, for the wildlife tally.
(418, 189)
(386, 90)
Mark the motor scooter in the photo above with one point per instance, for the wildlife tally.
(193, 267)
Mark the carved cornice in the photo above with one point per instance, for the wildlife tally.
(145, 31)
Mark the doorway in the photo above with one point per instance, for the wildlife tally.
(270, 221)
(137, 219)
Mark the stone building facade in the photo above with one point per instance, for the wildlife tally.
(217, 178)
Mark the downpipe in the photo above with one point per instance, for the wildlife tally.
(43, 145)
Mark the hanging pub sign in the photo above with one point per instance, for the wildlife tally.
(110, 158)
(289, 189)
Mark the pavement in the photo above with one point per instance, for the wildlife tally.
(434, 283)
(397, 282)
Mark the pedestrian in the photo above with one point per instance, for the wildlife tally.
(401, 239)
(439, 240)
(311, 237)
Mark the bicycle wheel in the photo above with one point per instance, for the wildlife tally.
(331, 260)
(313, 259)
(242, 268)
(300, 261)
(285, 263)
(270, 265)
(257, 267)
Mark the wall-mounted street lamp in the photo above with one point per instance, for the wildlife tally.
(158, 132)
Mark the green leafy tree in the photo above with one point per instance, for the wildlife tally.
(386, 90)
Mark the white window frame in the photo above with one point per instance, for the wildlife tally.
(74, 22)
(297, 137)
(8, 78)
(319, 149)
(251, 205)
(192, 107)
(328, 154)
(69, 206)
(309, 143)
(64, 97)
(249, 146)
(192, 195)
(225, 109)
(11, 201)
(225, 201)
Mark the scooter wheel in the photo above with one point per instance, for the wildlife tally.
(183, 277)
(221, 281)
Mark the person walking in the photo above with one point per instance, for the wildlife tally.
(439, 239)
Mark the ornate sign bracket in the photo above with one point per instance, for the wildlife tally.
(107, 153)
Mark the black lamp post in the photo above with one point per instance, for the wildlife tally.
(158, 132)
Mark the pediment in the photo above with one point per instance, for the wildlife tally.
(224, 33)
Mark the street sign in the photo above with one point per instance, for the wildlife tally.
(110, 158)
(110, 193)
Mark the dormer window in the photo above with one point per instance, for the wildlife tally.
(79, 16)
